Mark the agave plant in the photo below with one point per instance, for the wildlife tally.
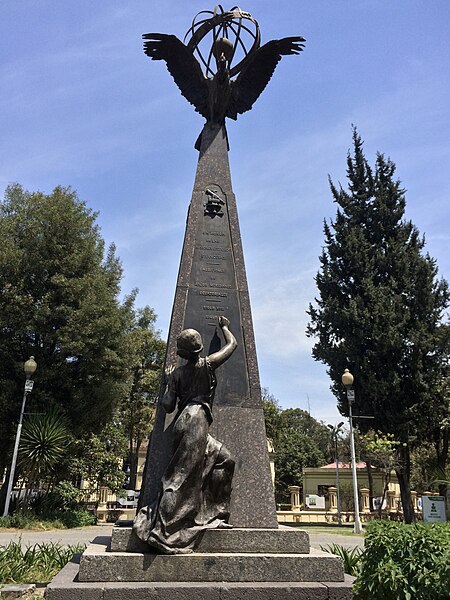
(38, 563)
(441, 477)
(350, 557)
(43, 444)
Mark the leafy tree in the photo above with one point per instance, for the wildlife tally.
(381, 451)
(379, 308)
(296, 451)
(58, 302)
(347, 498)
(146, 357)
(98, 458)
(439, 419)
(298, 440)
(300, 421)
(272, 417)
(423, 461)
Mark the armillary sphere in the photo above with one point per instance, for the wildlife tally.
(234, 51)
(234, 33)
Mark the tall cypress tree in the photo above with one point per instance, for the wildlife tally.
(379, 308)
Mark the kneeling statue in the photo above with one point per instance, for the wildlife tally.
(196, 486)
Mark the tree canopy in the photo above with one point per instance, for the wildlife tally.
(380, 305)
(146, 352)
(299, 441)
(59, 301)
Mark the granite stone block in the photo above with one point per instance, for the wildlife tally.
(272, 541)
(66, 586)
(97, 564)
(12, 591)
(275, 591)
(341, 590)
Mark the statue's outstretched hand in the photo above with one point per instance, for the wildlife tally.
(224, 322)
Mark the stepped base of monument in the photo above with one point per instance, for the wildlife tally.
(99, 563)
(66, 586)
(246, 564)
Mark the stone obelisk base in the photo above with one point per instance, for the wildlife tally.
(239, 564)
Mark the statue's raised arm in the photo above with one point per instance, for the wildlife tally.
(218, 358)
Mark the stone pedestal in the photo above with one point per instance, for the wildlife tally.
(250, 564)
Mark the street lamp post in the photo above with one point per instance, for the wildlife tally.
(347, 380)
(29, 367)
(334, 432)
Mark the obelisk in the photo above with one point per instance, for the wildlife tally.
(212, 282)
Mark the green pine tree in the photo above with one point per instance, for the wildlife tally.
(379, 308)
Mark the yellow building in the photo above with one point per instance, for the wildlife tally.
(317, 500)
(319, 480)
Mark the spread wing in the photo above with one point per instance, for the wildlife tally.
(256, 74)
(182, 65)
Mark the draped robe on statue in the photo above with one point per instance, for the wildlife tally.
(196, 485)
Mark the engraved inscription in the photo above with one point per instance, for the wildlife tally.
(213, 249)
(213, 294)
(204, 284)
(212, 270)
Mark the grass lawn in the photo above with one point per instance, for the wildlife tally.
(325, 529)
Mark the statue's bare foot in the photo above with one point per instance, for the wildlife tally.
(223, 525)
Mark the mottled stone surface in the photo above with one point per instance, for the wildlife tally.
(11, 591)
(124, 539)
(272, 541)
(211, 282)
(65, 586)
(99, 564)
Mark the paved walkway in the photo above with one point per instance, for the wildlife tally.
(324, 539)
(83, 535)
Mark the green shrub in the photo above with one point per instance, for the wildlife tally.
(351, 557)
(77, 518)
(29, 520)
(59, 520)
(63, 504)
(405, 562)
(64, 496)
(38, 563)
(17, 521)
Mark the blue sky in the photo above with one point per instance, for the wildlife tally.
(83, 106)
